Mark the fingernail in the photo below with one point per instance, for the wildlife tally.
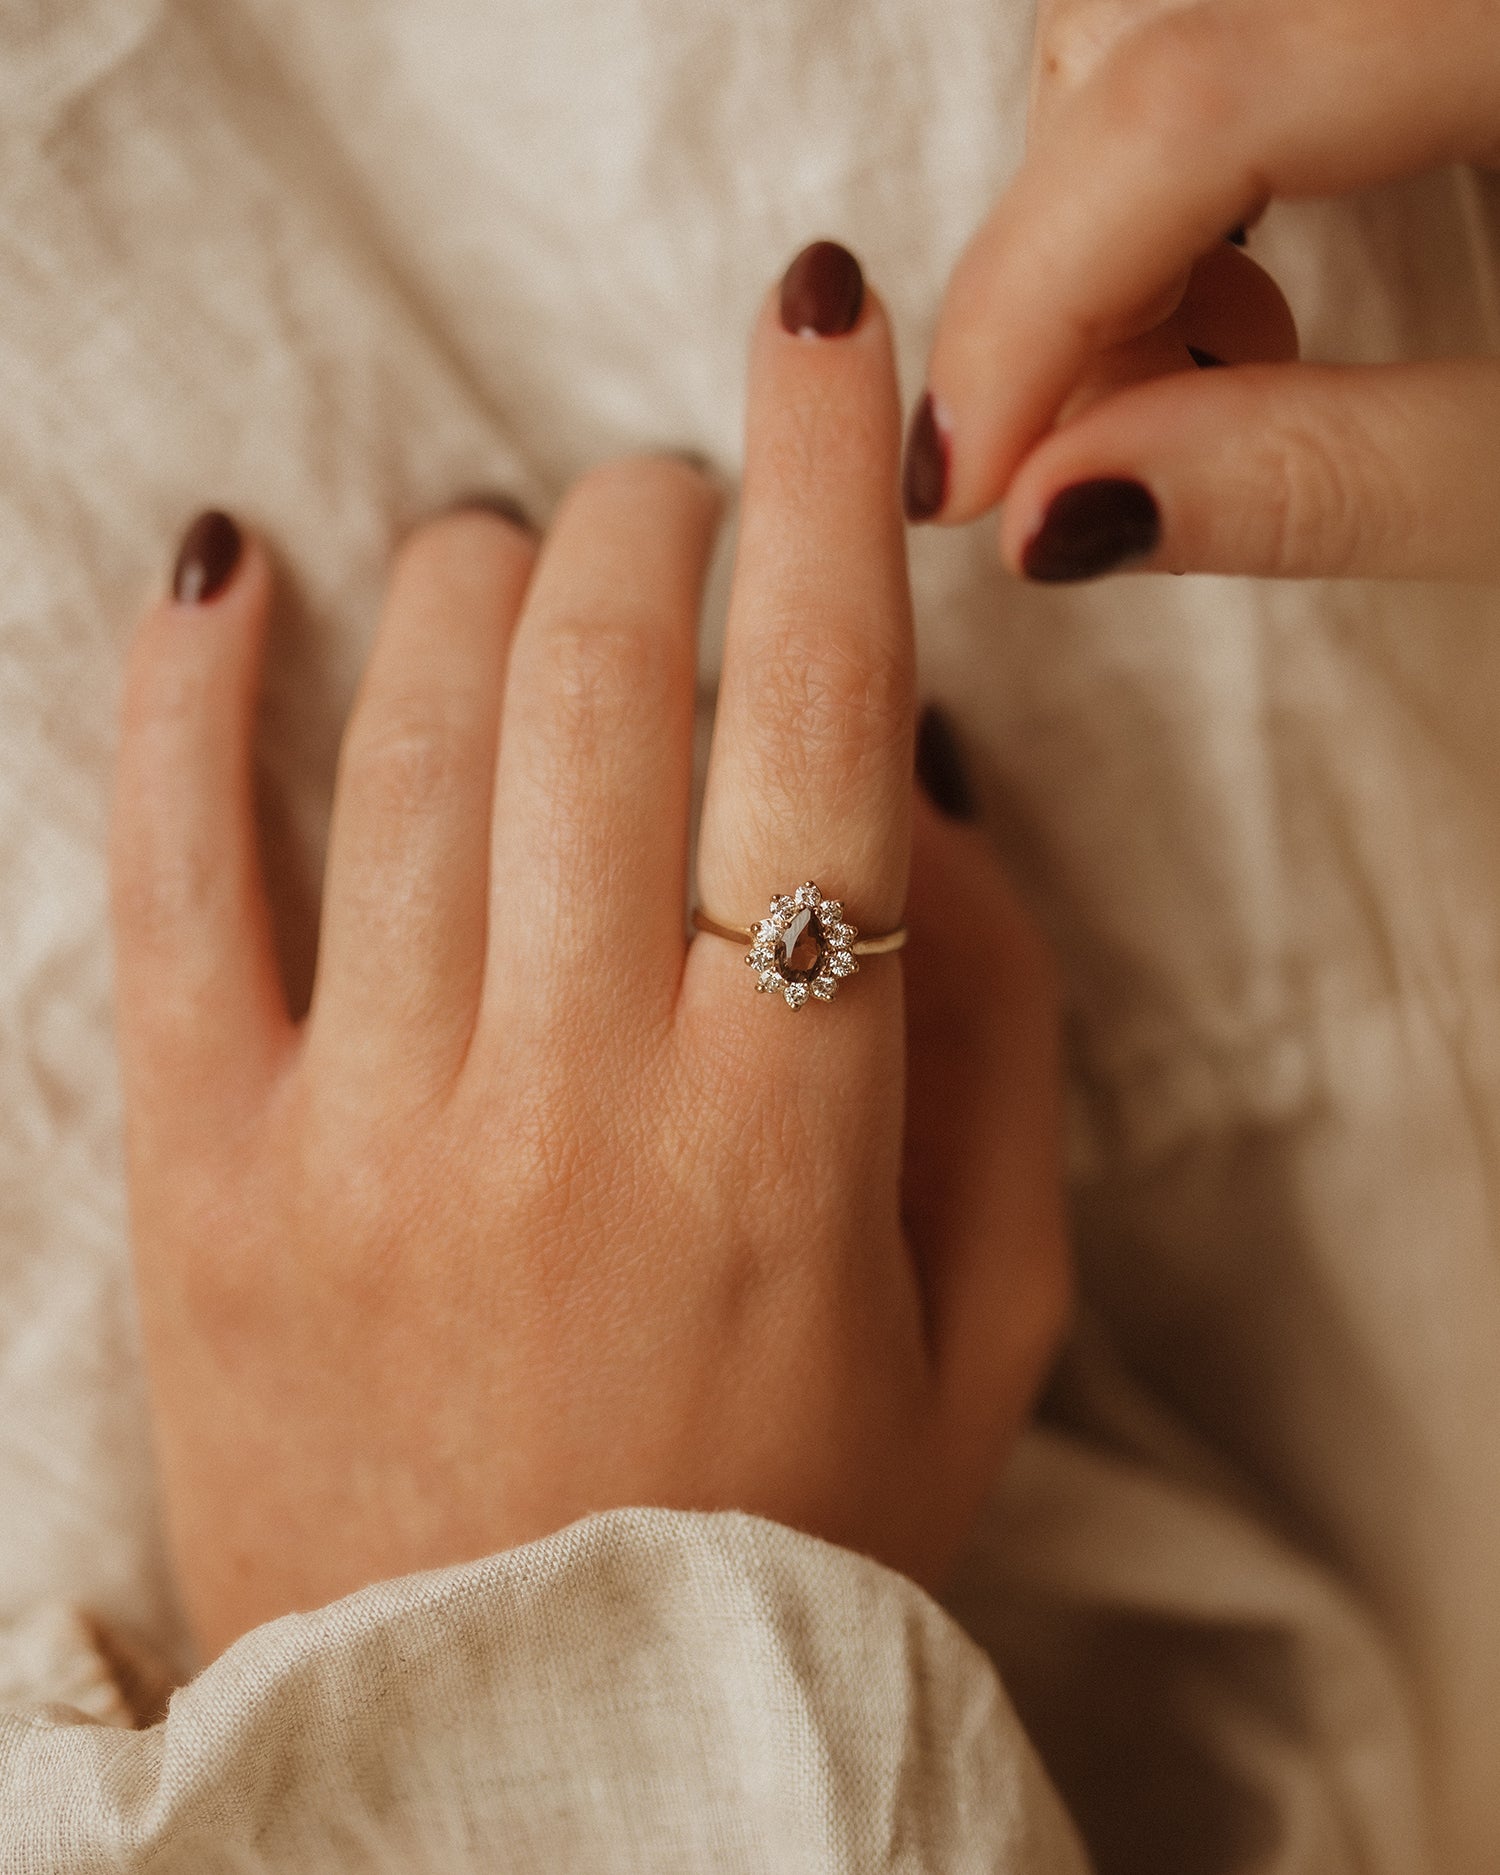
(490, 501)
(1239, 235)
(822, 292)
(206, 561)
(924, 477)
(1204, 360)
(1092, 528)
(940, 767)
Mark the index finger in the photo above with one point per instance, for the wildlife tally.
(1186, 127)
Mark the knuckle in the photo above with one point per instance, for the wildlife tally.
(166, 867)
(593, 668)
(827, 702)
(827, 422)
(1075, 35)
(1318, 512)
(160, 886)
(405, 762)
(229, 1298)
(1173, 82)
(162, 701)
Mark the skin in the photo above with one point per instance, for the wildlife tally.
(542, 1210)
(1157, 126)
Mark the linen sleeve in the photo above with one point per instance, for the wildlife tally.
(644, 1691)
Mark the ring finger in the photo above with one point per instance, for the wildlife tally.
(810, 771)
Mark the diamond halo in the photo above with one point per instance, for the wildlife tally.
(798, 921)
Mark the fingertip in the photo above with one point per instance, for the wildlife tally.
(196, 652)
(210, 554)
(497, 503)
(823, 306)
(221, 569)
(831, 394)
(712, 485)
(822, 293)
(1092, 527)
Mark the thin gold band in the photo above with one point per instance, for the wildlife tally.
(742, 934)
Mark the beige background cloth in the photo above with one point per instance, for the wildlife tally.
(332, 264)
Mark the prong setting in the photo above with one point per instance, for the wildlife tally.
(796, 920)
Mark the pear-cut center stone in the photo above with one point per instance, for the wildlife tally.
(799, 954)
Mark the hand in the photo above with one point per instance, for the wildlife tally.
(1156, 128)
(544, 1210)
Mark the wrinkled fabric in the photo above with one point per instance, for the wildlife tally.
(649, 1689)
(331, 266)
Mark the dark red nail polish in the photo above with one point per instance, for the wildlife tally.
(1205, 361)
(940, 767)
(823, 291)
(924, 478)
(493, 501)
(206, 561)
(1092, 528)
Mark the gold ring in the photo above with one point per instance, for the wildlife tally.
(804, 948)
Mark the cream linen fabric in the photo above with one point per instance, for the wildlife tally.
(330, 265)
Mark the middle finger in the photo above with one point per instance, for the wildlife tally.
(591, 793)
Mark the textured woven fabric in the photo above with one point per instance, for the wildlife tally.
(647, 1690)
(332, 265)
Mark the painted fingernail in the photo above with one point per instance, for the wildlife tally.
(1092, 528)
(1205, 361)
(493, 501)
(822, 292)
(924, 476)
(1239, 235)
(206, 561)
(940, 767)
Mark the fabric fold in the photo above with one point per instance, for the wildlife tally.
(646, 1690)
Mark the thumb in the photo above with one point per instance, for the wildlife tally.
(982, 1190)
(1286, 471)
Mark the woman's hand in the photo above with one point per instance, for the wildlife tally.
(544, 1210)
(1156, 127)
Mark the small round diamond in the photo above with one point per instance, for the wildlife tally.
(803, 949)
